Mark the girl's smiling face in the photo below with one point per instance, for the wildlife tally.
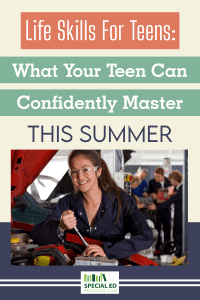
(84, 174)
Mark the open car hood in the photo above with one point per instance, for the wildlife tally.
(26, 165)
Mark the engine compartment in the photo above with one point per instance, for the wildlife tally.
(25, 253)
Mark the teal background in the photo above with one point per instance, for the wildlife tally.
(192, 65)
(190, 105)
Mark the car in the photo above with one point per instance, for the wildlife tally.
(44, 192)
(28, 210)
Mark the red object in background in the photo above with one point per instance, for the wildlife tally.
(21, 225)
(74, 238)
(162, 195)
(139, 260)
(69, 252)
(170, 190)
(26, 165)
(11, 220)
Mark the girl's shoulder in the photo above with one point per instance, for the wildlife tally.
(128, 201)
(69, 198)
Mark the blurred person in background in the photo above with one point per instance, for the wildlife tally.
(135, 182)
(163, 213)
(141, 189)
(176, 198)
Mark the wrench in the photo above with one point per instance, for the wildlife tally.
(81, 237)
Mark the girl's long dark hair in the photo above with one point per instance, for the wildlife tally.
(105, 181)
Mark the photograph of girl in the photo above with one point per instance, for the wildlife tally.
(99, 209)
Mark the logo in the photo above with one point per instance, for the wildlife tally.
(99, 282)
